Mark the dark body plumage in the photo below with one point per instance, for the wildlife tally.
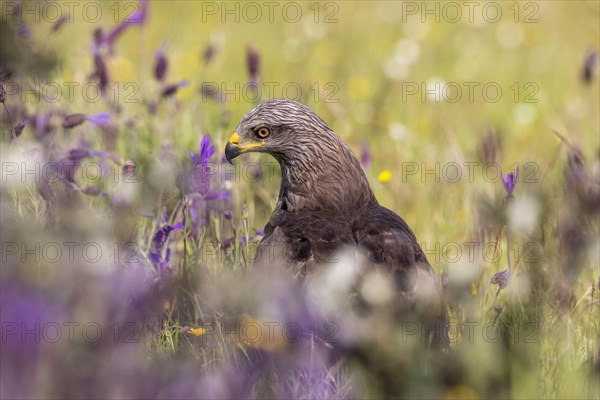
(326, 206)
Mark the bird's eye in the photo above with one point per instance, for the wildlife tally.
(263, 132)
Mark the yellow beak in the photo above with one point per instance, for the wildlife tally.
(233, 148)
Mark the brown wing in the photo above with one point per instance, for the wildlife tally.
(299, 240)
(386, 241)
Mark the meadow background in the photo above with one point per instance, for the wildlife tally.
(120, 275)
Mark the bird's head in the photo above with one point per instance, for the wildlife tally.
(280, 127)
(318, 169)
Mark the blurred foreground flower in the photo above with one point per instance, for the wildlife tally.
(200, 177)
(196, 331)
(365, 155)
(501, 278)
(158, 243)
(73, 120)
(20, 126)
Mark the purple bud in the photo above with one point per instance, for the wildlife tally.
(139, 17)
(45, 190)
(253, 64)
(228, 214)
(217, 196)
(129, 168)
(98, 37)
(161, 65)
(576, 172)
(365, 155)
(227, 243)
(501, 278)
(259, 232)
(60, 22)
(101, 119)
(511, 181)
(209, 54)
(101, 71)
(170, 90)
(73, 120)
(93, 190)
(24, 31)
(20, 126)
(589, 67)
(78, 154)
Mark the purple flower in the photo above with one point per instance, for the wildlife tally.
(227, 242)
(161, 65)
(259, 232)
(170, 90)
(45, 190)
(511, 181)
(365, 155)
(217, 196)
(589, 67)
(228, 214)
(101, 72)
(24, 31)
(204, 153)
(138, 17)
(576, 173)
(200, 177)
(158, 242)
(209, 53)
(253, 64)
(100, 119)
(501, 278)
(60, 22)
(20, 126)
(73, 120)
(98, 37)
(129, 171)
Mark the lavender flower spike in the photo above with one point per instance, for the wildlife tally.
(200, 176)
(204, 153)
(511, 181)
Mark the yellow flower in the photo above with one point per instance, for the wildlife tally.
(197, 331)
(385, 176)
(460, 392)
(474, 290)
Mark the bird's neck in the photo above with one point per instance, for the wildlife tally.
(324, 179)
